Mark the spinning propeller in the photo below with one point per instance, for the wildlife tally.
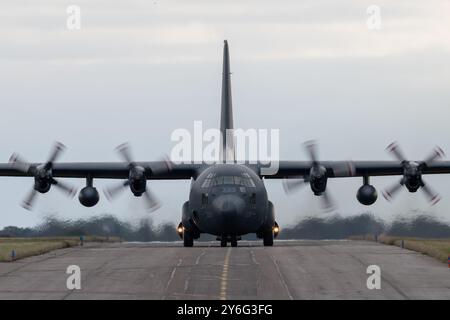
(137, 181)
(43, 177)
(317, 177)
(412, 174)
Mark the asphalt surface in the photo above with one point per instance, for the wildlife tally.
(289, 270)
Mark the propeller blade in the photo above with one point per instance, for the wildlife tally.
(328, 203)
(42, 173)
(311, 149)
(164, 166)
(161, 167)
(124, 151)
(152, 204)
(436, 154)
(56, 151)
(113, 191)
(432, 196)
(68, 189)
(292, 185)
(19, 162)
(389, 193)
(29, 200)
(395, 150)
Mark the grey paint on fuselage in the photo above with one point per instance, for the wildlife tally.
(228, 199)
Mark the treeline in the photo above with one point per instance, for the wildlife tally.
(106, 225)
(335, 227)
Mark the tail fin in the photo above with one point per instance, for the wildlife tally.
(226, 114)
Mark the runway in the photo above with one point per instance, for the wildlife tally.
(289, 270)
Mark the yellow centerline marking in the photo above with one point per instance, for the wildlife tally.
(224, 277)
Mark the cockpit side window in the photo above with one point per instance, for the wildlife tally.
(218, 181)
(206, 183)
(209, 180)
(248, 181)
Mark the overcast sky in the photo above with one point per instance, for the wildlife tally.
(137, 70)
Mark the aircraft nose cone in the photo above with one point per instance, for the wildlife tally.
(228, 204)
(229, 208)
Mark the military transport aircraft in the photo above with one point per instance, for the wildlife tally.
(226, 199)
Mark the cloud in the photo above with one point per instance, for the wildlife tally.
(179, 31)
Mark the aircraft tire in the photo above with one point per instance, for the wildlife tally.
(268, 239)
(223, 242)
(188, 239)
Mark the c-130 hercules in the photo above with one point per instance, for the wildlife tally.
(226, 199)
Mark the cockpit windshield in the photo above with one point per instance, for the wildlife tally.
(243, 180)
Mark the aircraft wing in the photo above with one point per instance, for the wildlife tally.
(286, 169)
(336, 169)
(105, 170)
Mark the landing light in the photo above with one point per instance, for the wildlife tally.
(180, 229)
(276, 229)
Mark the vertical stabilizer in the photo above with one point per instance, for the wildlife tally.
(226, 114)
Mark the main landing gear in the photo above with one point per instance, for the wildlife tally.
(186, 235)
(268, 238)
(269, 235)
(188, 238)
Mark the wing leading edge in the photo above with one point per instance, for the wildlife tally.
(286, 169)
(104, 170)
(291, 169)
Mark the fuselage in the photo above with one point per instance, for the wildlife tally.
(228, 200)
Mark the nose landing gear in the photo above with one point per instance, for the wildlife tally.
(233, 241)
(225, 239)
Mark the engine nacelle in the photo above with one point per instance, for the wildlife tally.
(367, 194)
(42, 185)
(137, 180)
(42, 179)
(318, 179)
(412, 176)
(138, 187)
(89, 196)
